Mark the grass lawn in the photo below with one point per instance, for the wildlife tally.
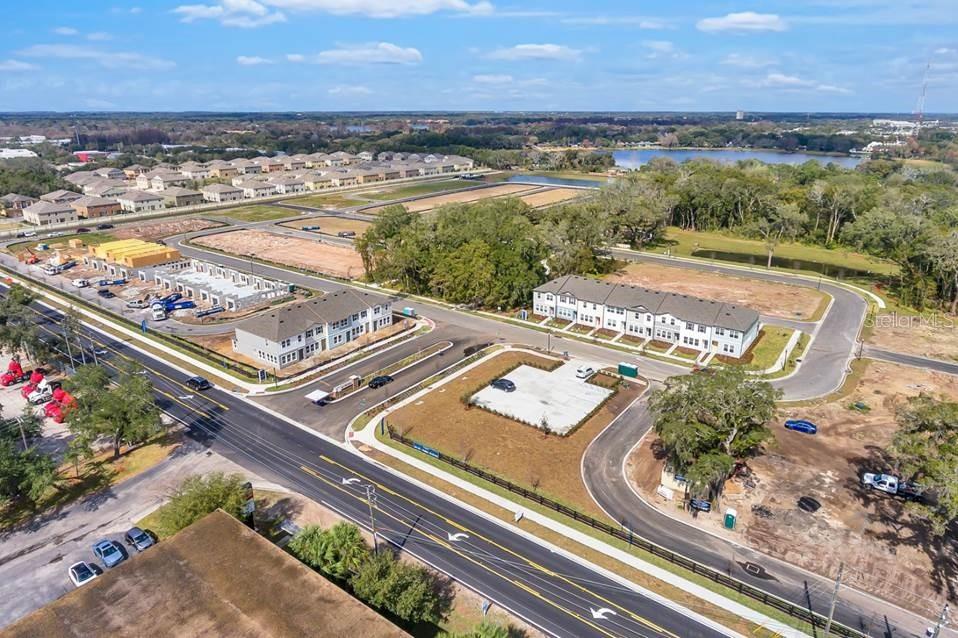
(98, 473)
(256, 213)
(685, 242)
(335, 200)
(413, 190)
(53, 242)
(764, 352)
(520, 453)
(792, 362)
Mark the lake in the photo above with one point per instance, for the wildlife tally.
(635, 159)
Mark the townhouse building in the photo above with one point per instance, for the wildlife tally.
(44, 212)
(177, 196)
(693, 323)
(221, 193)
(92, 206)
(135, 201)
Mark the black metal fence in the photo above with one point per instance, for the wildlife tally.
(795, 611)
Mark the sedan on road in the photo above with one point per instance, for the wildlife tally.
(380, 381)
(138, 539)
(198, 383)
(504, 384)
(800, 425)
(80, 573)
(107, 551)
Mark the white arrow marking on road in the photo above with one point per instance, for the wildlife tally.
(186, 397)
(458, 536)
(602, 613)
(350, 481)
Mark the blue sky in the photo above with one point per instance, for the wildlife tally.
(289, 55)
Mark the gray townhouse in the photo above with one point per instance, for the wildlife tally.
(697, 324)
(284, 335)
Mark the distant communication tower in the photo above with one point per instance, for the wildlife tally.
(920, 107)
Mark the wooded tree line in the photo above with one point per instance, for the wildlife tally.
(30, 177)
(493, 253)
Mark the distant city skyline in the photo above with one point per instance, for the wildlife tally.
(395, 55)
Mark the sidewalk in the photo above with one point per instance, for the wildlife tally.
(367, 436)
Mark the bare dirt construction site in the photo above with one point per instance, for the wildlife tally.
(932, 335)
(552, 196)
(337, 261)
(515, 451)
(463, 197)
(886, 550)
(779, 300)
(159, 230)
(330, 225)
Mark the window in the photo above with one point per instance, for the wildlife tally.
(701, 328)
(309, 333)
(689, 325)
(720, 331)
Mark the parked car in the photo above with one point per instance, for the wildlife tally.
(504, 384)
(800, 425)
(881, 482)
(137, 303)
(107, 551)
(83, 229)
(380, 381)
(198, 383)
(346, 233)
(106, 294)
(700, 504)
(80, 573)
(584, 372)
(80, 283)
(138, 539)
(104, 226)
(55, 233)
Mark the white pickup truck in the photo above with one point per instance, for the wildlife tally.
(891, 484)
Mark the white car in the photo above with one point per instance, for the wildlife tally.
(81, 573)
(584, 372)
(80, 283)
(882, 482)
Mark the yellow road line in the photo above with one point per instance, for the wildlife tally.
(648, 623)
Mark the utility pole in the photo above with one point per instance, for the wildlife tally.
(23, 436)
(941, 621)
(371, 500)
(831, 609)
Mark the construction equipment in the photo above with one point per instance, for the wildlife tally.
(31, 258)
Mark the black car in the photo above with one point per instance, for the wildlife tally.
(504, 384)
(104, 226)
(346, 233)
(106, 294)
(198, 384)
(378, 382)
(83, 229)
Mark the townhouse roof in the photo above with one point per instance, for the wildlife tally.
(60, 194)
(15, 198)
(220, 188)
(93, 200)
(292, 319)
(176, 191)
(255, 184)
(81, 178)
(49, 208)
(139, 196)
(638, 298)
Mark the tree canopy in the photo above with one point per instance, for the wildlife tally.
(197, 496)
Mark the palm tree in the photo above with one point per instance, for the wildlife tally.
(343, 550)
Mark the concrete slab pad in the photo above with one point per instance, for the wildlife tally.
(557, 399)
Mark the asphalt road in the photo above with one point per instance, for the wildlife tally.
(547, 589)
(910, 360)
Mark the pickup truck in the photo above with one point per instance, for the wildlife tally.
(893, 485)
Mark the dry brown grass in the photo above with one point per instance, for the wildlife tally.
(330, 225)
(932, 335)
(779, 300)
(159, 230)
(429, 203)
(551, 196)
(517, 452)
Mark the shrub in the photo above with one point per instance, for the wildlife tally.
(197, 496)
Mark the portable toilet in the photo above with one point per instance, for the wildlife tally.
(730, 517)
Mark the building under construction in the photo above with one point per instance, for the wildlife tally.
(132, 258)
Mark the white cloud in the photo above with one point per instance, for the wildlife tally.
(65, 31)
(350, 90)
(492, 79)
(14, 66)
(254, 13)
(99, 104)
(744, 22)
(945, 51)
(252, 60)
(99, 36)
(747, 61)
(537, 52)
(245, 14)
(106, 59)
(831, 88)
(295, 57)
(631, 21)
(663, 50)
(794, 83)
(369, 53)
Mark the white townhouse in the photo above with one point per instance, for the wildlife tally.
(293, 332)
(289, 185)
(221, 193)
(138, 201)
(690, 322)
(43, 212)
(253, 189)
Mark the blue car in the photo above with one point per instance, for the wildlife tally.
(800, 425)
(108, 552)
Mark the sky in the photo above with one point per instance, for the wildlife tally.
(489, 55)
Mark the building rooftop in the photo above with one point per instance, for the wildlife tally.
(92, 200)
(220, 188)
(49, 208)
(176, 191)
(60, 194)
(139, 196)
(215, 578)
(637, 298)
(295, 318)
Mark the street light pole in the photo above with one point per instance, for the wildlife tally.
(941, 621)
(831, 609)
(371, 501)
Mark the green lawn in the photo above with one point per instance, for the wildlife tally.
(771, 342)
(413, 190)
(685, 242)
(256, 213)
(87, 238)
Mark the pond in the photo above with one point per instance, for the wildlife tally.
(828, 270)
(635, 159)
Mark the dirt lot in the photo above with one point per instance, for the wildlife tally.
(884, 549)
(934, 335)
(337, 261)
(520, 453)
(779, 300)
(551, 196)
(330, 225)
(152, 232)
(428, 203)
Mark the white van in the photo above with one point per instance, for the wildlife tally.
(81, 283)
